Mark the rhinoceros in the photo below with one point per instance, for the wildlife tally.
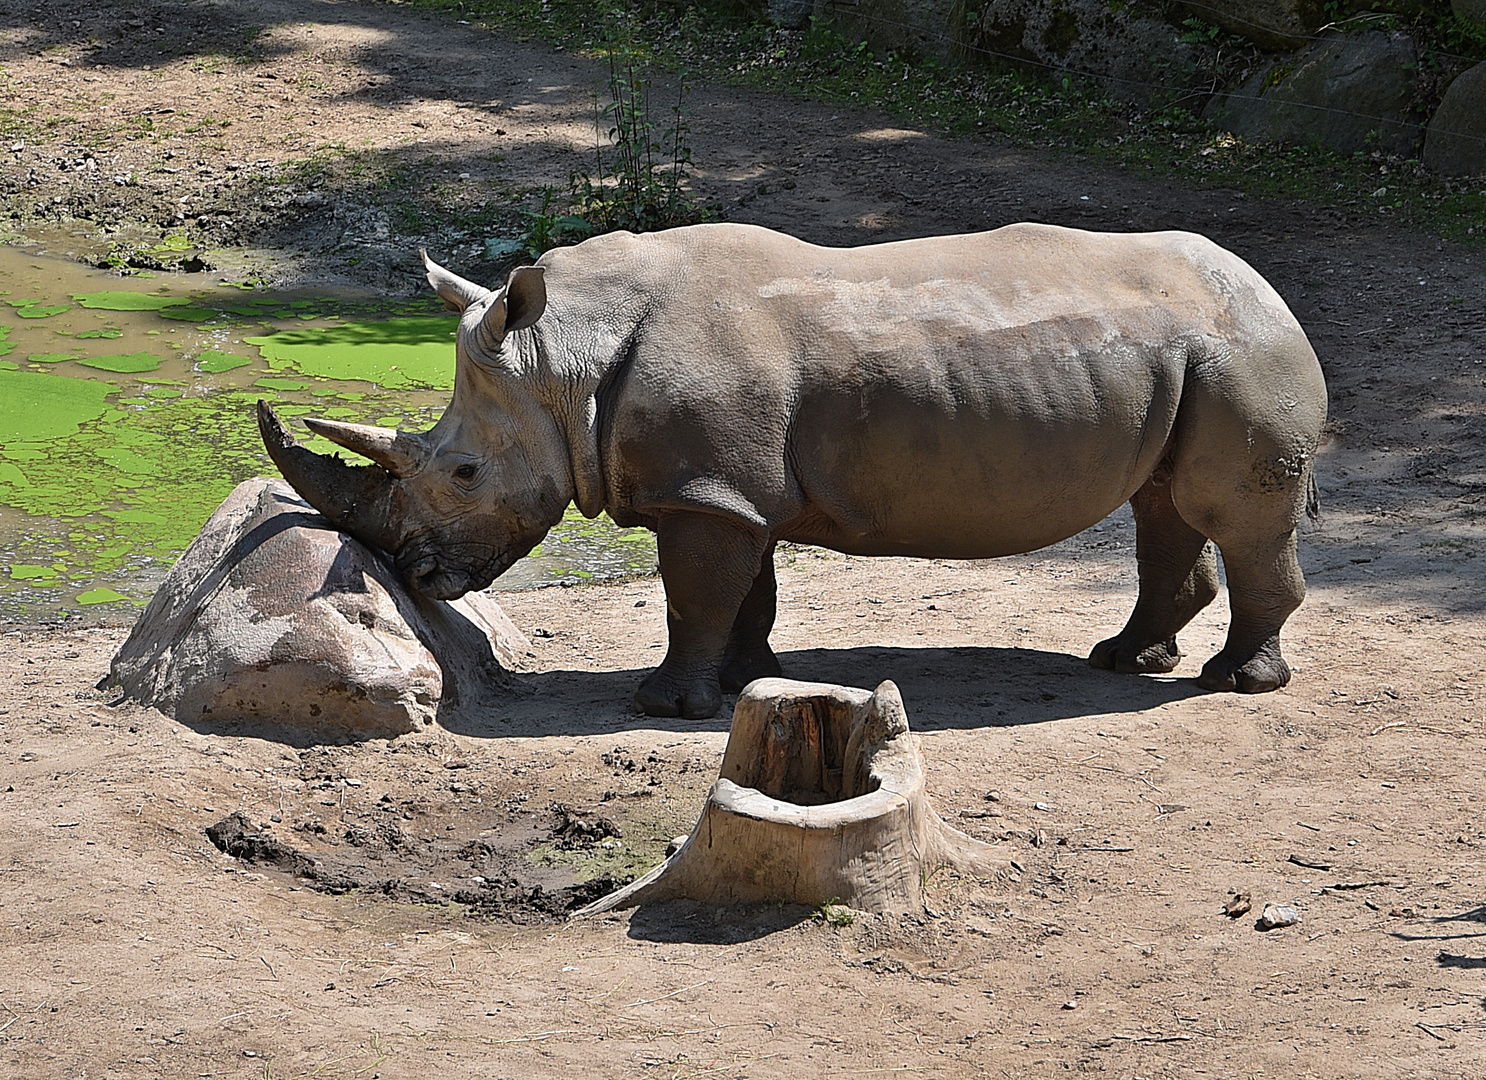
(955, 397)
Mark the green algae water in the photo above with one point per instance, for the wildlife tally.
(127, 415)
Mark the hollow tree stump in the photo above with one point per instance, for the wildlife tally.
(820, 797)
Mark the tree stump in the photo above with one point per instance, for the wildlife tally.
(820, 798)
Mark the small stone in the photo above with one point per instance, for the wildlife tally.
(1070, 1005)
(1238, 904)
(1277, 915)
(675, 844)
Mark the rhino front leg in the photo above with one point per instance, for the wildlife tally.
(1178, 578)
(709, 565)
(748, 655)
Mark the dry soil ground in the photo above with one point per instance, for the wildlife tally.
(423, 934)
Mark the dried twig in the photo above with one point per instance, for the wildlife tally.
(673, 993)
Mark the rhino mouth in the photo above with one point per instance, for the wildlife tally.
(438, 577)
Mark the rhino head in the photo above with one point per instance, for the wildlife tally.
(454, 506)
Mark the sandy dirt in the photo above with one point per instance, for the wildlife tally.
(397, 909)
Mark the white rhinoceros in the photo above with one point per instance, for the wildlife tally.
(952, 397)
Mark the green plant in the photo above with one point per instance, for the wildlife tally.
(545, 230)
(640, 178)
(1198, 32)
(834, 913)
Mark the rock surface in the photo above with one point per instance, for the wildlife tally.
(1349, 91)
(273, 617)
(1277, 24)
(1456, 141)
(1275, 916)
(1131, 54)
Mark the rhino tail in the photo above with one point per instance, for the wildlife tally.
(1312, 499)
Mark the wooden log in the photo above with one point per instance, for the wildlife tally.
(820, 798)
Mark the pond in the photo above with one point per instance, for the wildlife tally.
(127, 415)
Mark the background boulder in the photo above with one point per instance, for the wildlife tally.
(1348, 91)
(1456, 141)
(1131, 54)
(1275, 24)
(272, 616)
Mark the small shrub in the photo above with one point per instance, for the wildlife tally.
(640, 174)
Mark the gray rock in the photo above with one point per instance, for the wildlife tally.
(1277, 915)
(923, 27)
(1134, 56)
(1349, 91)
(1470, 11)
(1276, 24)
(273, 617)
(1456, 141)
(791, 14)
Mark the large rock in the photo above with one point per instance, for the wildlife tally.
(1133, 55)
(272, 616)
(1136, 57)
(1275, 24)
(1349, 91)
(1456, 141)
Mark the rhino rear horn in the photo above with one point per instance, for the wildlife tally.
(456, 293)
(401, 455)
(355, 498)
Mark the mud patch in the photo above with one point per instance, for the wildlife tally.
(489, 877)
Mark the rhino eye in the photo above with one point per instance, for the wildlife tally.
(465, 472)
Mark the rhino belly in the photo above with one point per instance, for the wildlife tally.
(982, 462)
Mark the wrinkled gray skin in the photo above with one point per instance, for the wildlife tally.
(955, 397)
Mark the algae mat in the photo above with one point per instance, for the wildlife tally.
(126, 416)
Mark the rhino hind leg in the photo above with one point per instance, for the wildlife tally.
(1178, 578)
(709, 565)
(1264, 587)
(748, 656)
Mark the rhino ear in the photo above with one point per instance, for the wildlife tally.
(526, 297)
(456, 293)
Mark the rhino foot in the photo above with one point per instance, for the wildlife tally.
(1132, 658)
(740, 669)
(1262, 671)
(665, 694)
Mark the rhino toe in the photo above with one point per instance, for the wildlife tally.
(1134, 658)
(1260, 673)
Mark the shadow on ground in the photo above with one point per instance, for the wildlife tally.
(943, 688)
(686, 921)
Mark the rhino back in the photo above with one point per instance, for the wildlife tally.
(963, 396)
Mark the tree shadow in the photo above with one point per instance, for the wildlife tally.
(943, 689)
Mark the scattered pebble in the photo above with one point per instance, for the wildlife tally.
(1277, 915)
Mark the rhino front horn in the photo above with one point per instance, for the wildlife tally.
(355, 498)
(401, 455)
